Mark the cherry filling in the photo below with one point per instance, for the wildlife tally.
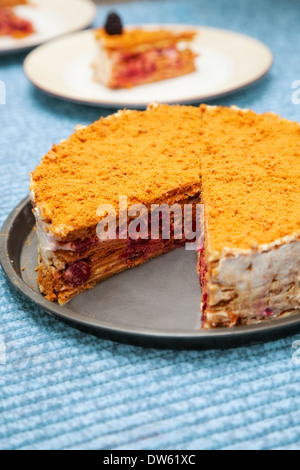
(83, 245)
(12, 25)
(142, 248)
(140, 66)
(268, 312)
(203, 281)
(146, 247)
(78, 273)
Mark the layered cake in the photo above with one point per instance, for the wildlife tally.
(243, 167)
(129, 57)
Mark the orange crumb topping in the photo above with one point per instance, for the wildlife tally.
(250, 167)
(12, 3)
(139, 154)
(133, 38)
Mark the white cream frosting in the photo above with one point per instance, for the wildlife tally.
(48, 244)
(247, 282)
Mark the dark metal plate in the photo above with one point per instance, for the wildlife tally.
(154, 305)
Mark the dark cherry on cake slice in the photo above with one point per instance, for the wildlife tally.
(113, 24)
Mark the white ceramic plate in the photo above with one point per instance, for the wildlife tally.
(227, 62)
(50, 18)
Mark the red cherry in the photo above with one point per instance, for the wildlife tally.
(78, 273)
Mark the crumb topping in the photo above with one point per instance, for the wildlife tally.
(132, 38)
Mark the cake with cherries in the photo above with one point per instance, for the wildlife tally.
(244, 168)
(129, 57)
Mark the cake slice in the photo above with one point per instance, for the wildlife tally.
(130, 57)
(249, 263)
(149, 157)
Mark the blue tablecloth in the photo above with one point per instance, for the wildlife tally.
(62, 389)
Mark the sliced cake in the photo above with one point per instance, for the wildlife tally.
(135, 56)
(150, 157)
(244, 166)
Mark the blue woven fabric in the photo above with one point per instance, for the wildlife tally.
(62, 389)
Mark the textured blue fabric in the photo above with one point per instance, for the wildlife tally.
(62, 389)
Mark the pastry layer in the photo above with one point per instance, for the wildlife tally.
(63, 289)
(69, 268)
(120, 70)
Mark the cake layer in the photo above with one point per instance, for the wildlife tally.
(62, 288)
(123, 70)
(68, 268)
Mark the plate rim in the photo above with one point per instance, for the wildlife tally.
(165, 339)
(35, 44)
(120, 104)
